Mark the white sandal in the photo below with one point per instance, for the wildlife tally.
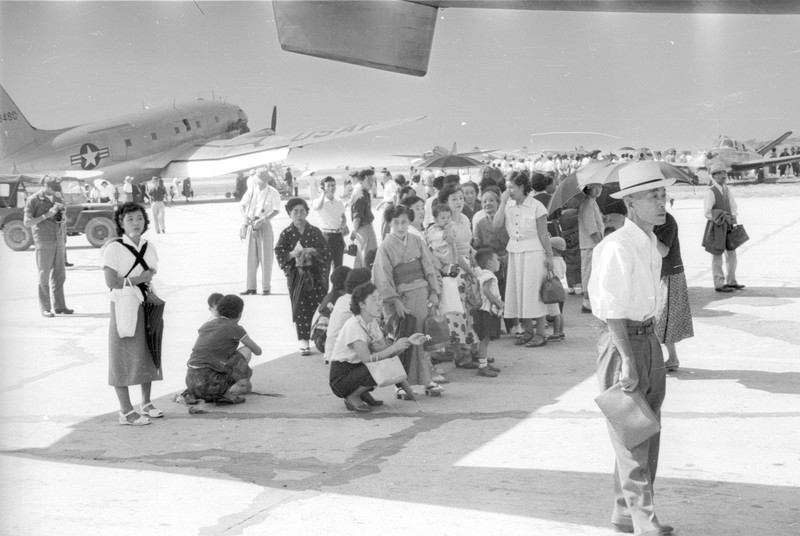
(153, 413)
(141, 421)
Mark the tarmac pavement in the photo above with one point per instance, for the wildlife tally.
(524, 453)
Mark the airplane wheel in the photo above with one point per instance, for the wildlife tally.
(99, 230)
(17, 236)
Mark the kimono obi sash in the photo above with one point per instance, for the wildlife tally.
(408, 272)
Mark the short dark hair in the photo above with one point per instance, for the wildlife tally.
(395, 211)
(438, 182)
(451, 178)
(293, 202)
(328, 179)
(364, 173)
(214, 298)
(230, 306)
(339, 276)
(483, 255)
(129, 208)
(470, 184)
(520, 178)
(441, 207)
(405, 190)
(540, 181)
(409, 202)
(447, 191)
(486, 182)
(492, 190)
(399, 179)
(360, 293)
(356, 277)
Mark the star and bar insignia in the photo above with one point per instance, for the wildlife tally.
(89, 156)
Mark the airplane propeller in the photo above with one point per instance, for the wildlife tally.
(274, 123)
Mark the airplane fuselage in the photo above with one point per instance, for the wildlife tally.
(138, 144)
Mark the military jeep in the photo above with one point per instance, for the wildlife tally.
(96, 220)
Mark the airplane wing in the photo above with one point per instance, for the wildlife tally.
(396, 35)
(764, 162)
(254, 149)
(316, 136)
(219, 157)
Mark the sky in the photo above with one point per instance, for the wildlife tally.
(497, 79)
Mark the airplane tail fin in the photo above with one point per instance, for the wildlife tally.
(774, 143)
(15, 131)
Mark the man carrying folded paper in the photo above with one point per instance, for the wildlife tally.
(624, 289)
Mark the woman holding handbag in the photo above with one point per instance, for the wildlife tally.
(350, 378)
(530, 257)
(130, 359)
(406, 279)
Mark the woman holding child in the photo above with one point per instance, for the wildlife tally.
(131, 260)
(302, 254)
(357, 344)
(460, 229)
(404, 274)
(529, 257)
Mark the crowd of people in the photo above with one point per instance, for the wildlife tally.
(456, 261)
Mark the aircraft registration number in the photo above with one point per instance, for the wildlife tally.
(8, 116)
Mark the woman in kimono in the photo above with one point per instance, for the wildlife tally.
(302, 254)
(406, 279)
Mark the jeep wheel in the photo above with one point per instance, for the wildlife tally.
(99, 230)
(17, 236)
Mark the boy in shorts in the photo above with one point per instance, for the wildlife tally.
(487, 316)
(217, 371)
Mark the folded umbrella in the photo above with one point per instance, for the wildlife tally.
(154, 325)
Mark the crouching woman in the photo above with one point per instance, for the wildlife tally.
(356, 345)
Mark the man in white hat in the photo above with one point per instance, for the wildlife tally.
(624, 290)
(720, 211)
(259, 205)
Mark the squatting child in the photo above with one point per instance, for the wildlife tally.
(487, 316)
(217, 371)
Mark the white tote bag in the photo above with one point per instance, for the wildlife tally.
(387, 371)
(450, 303)
(126, 308)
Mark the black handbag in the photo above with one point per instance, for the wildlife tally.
(351, 250)
(736, 237)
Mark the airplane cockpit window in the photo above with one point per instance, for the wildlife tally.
(187, 125)
(727, 142)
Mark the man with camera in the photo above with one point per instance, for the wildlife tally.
(45, 214)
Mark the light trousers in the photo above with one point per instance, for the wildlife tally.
(586, 273)
(260, 252)
(730, 266)
(157, 207)
(635, 468)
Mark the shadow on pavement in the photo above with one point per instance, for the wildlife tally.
(771, 382)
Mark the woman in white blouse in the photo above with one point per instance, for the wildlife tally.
(529, 257)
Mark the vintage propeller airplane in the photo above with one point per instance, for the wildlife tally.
(397, 35)
(200, 138)
(740, 158)
(438, 150)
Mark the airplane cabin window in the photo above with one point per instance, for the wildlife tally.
(197, 124)
(216, 119)
(154, 136)
(187, 125)
(128, 143)
(177, 130)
